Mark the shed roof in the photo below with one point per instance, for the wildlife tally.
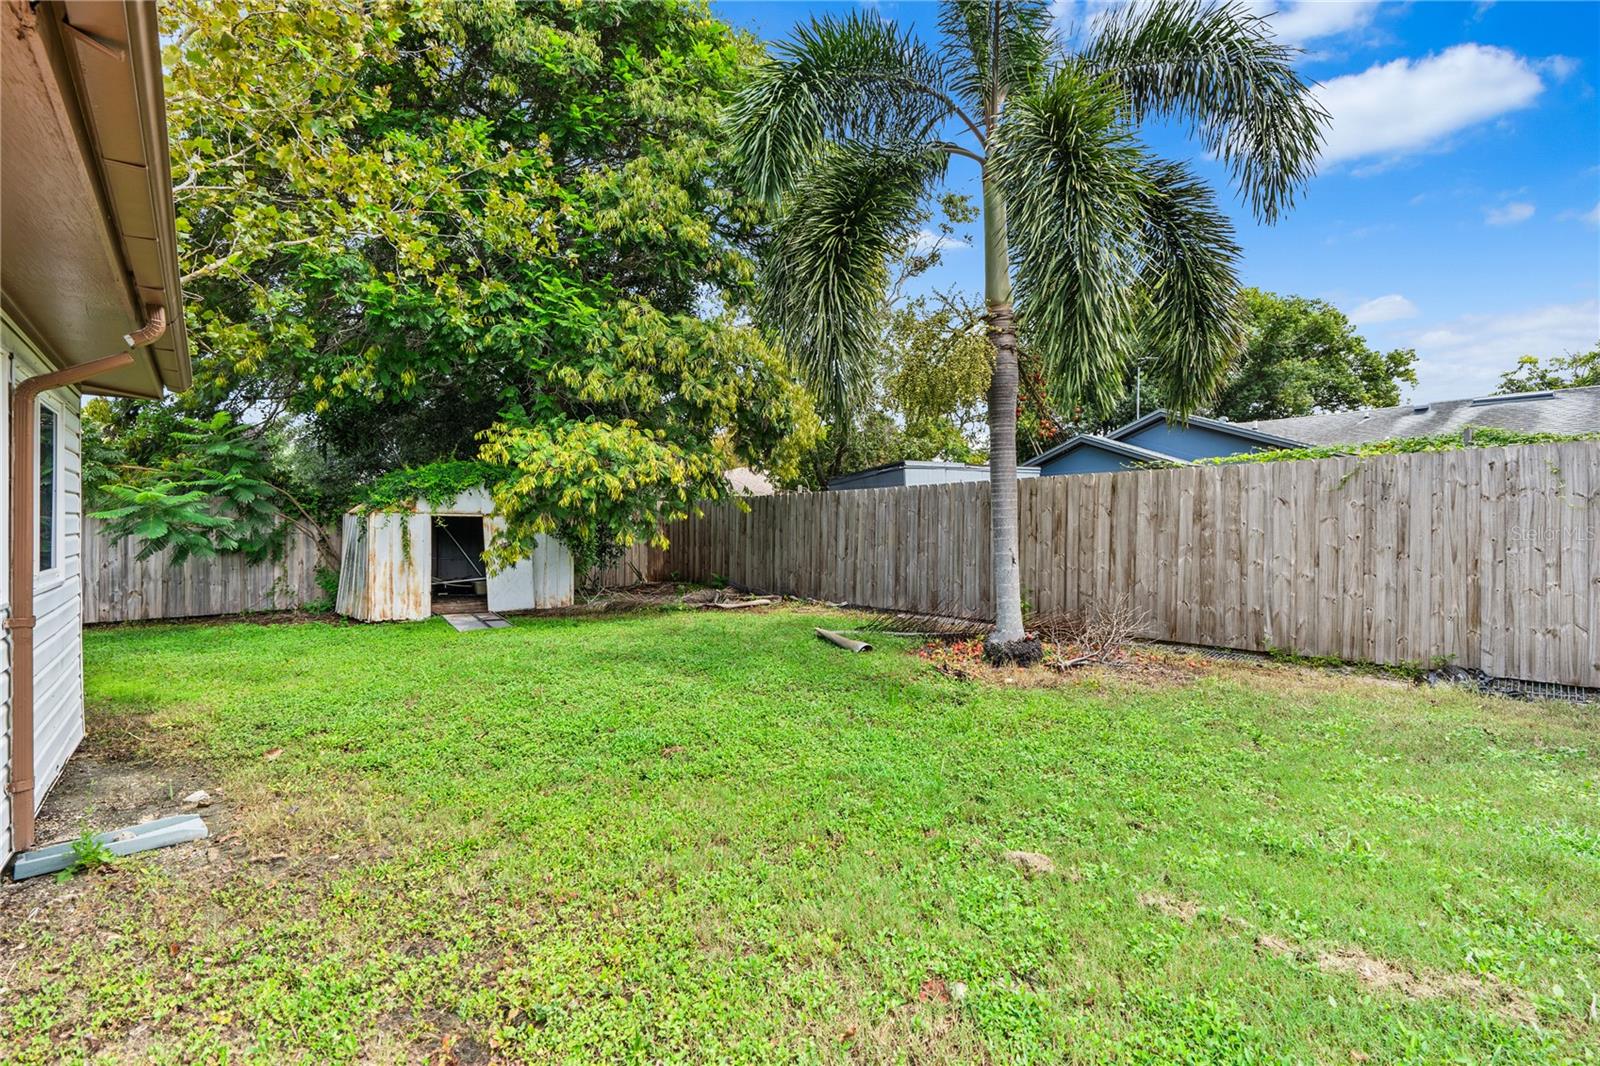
(844, 481)
(1564, 411)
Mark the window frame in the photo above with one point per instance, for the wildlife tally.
(57, 569)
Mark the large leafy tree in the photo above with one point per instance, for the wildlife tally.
(1110, 250)
(407, 225)
(1569, 371)
(1303, 355)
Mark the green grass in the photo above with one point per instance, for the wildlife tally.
(691, 837)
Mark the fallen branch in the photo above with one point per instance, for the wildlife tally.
(1099, 636)
(733, 605)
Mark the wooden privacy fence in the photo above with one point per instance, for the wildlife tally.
(638, 562)
(120, 587)
(1489, 557)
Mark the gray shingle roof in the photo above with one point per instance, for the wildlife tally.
(1561, 411)
(1247, 431)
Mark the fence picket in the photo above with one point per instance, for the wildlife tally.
(1490, 557)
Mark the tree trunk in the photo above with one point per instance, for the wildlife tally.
(1009, 642)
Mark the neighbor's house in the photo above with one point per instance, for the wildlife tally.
(1153, 440)
(1561, 411)
(89, 303)
(917, 472)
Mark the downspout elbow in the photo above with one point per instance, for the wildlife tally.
(24, 491)
(150, 332)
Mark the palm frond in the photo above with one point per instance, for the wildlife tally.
(825, 271)
(1189, 287)
(1218, 67)
(994, 45)
(855, 78)
(1072, 177)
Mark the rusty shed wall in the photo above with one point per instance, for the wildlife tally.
(385, 571)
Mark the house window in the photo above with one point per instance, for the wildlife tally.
(48, 432)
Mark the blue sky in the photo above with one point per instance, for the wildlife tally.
(1457, 210)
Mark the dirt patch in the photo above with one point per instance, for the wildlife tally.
(1381, 975)
(95, 794)
(1030, 862)
(253, 618)
(647, 596)
(1185, 910)
(964, 661)
(98, 792)
(258, 829)
(1373, 973)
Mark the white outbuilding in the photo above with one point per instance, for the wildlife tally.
(406, 565)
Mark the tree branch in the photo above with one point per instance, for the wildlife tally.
(216, 265)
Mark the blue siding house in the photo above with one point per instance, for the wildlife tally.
(1088, 453)
(1153, 440)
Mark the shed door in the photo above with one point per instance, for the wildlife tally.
(510, 589)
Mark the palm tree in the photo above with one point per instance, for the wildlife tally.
(1111, 251)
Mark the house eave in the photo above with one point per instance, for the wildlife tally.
(90, 237)
(1255, 436)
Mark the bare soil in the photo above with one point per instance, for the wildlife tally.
(1371, 972)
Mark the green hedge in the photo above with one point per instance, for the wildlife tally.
(1482, 437)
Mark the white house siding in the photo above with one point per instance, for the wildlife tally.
(58, 595)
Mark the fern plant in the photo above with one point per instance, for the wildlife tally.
(214, 495)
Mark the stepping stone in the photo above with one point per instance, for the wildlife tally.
(465, 623)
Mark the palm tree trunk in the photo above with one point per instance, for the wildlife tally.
(1009, 642)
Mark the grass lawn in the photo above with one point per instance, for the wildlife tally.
(695, 836)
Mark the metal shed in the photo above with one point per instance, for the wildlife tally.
(918, 472)
(406, 565)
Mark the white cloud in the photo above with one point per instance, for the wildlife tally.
(1295, 22)
(927, 241)
(1508, 214)
(1408, 105)
(1388, 308)
(1593, 217)
(1559, 67)
(1466, 356)
(1311, 20)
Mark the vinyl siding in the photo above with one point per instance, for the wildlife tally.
(1189, 442)
(58, 598)
(1086, 459)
